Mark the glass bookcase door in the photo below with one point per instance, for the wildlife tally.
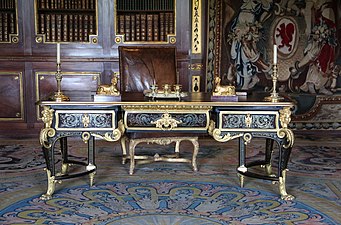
(8, 21)
(150, 21)
(66, 21)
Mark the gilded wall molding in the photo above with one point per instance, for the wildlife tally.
(196, 26)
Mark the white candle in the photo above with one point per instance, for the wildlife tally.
(58, 53)
(275, 54)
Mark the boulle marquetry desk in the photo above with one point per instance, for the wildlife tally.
(244, 119)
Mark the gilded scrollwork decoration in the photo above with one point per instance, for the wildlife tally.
(166, 122)
(47, 131)
(216, 134)
(285, 118)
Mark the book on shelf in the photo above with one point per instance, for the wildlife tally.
(51, 4)
(91, 25)
(162, 27)
(92, 4)
(80, 27)
(132, 27)
(166, 24)
(150, 27)
(42, 23)
(121, 24)
(171, 23)
(5, 27)
(71, 28)
(48, 29)
(127, 27)
(86, 28)
(53, 27)
(156, 27)
(75, 28)
(65, 29)
(138, 27)
(59, 27)
(1, 28)
(143, 27)
(42, 4)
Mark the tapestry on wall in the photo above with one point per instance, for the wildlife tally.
(305, 33)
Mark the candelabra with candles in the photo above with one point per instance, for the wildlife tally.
(59, 96)
(274, 97)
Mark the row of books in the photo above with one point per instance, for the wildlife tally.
(7, 4)
(145, 5)
(7, 25)
(66, 4)
(67, 27)
(146, 27)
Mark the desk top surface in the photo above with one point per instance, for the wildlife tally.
(202, 99)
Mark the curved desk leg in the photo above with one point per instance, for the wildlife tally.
(91, 159)
(241, 167)
(51, 186)
(124, 149)
(284, 155)
(132, 145)
(282, 188)
(269, 146)
(64, 150)
(195, 153)
(50, 171)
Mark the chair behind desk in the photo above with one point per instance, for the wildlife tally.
(140, 67)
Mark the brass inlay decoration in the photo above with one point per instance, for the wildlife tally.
(166, 122)
(195, 66)
(47, 131)
(85, 120)
(196, 27)
(176, 108)
(140, 117)
(68, 120)
(196, 83)
(262, 121)
(248, 120)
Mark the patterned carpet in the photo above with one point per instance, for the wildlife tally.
(169, 193)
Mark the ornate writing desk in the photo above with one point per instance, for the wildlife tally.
(244, 119)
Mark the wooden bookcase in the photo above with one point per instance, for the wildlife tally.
(150, 21)
(8, 21)
(66, 21)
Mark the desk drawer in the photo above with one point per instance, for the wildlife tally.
(168, 120)
(85, 120)
(248, 121)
